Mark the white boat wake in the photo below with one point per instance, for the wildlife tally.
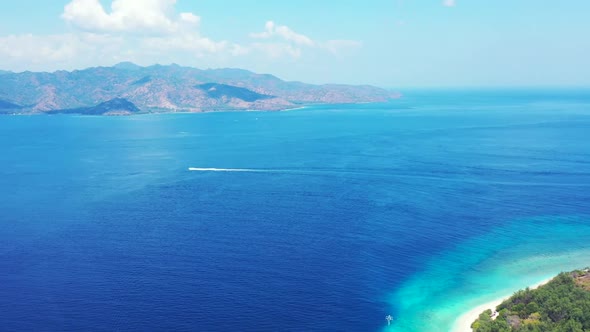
(201, 169)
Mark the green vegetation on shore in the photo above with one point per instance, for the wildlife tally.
(562, 305)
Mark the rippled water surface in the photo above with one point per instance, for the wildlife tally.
(327, 218)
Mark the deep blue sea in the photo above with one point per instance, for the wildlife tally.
(326, 218)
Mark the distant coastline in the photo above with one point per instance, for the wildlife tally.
(127, 112)
(126, 89)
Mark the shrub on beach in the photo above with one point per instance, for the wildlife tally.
(562, 305)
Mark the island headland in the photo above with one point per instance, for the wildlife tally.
(561, 304)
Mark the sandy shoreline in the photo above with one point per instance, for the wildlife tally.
(463, 323)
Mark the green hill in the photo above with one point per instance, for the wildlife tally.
(117, 106)
(562, 305)
(8, 105)
(217, 91)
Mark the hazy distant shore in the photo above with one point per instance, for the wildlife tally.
(126, 89)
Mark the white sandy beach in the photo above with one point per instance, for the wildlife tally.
(463, 323)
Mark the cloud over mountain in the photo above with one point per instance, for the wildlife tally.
(151, 31)
(154, 16)
(272, 30)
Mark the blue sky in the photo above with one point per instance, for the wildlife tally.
(390, 43)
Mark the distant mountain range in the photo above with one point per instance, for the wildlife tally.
(127, 88)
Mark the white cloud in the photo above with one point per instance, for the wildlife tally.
(147, 32)
(190, 18)
(271, 30)
(283, 41)
(449, 3)
(151, 26)
(239, 50)
(198, 46)
(155, 16)
(30, 52)
(277, 50)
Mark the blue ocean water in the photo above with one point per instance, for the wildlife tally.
(420, 208)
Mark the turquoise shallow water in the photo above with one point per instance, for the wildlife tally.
(517, 255)
(421, 208)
